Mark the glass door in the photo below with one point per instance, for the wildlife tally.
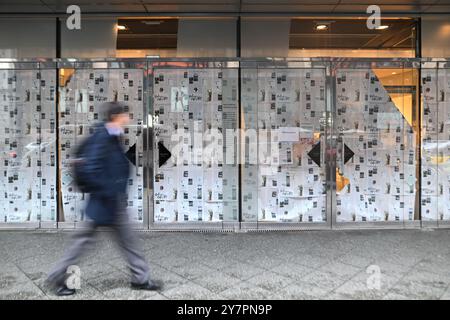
(195, 117)
(283, 145)
(376, 125)
(83, 88)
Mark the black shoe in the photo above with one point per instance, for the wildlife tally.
(150, 285)
(64, 291)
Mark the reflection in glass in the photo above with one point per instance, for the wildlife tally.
(82, 92)
(376, 154)
(28, 152)
(435, 144)
(194, 111)
(287, 181)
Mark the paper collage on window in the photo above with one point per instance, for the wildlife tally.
(81, 95)
(286, 107)
(194, 109)
(27, 143)
(435, 144)
(376, 152)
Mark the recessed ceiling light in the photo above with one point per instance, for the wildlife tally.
(322, 27)
(121, 27)
(394, 72)
(151, 22)
(382, 27)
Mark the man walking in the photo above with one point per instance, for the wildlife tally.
(107, 172)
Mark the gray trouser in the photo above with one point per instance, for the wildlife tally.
(84, 239)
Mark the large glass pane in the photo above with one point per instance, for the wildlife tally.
(195, 169)
(28, 152)
(82, 92)
(376, 123)
(284, 176)
(435, 143)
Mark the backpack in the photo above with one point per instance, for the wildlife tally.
(79, 171)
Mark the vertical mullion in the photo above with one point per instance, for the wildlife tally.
(239, 125)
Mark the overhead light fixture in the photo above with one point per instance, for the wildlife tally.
(151, 22)
(382, 27)
(394, 72)
(322, 27)
(121, 27)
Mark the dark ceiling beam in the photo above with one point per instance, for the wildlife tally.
(277, 11)
(213, 14)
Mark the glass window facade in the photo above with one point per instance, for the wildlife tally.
(233, 139)
(265, 142)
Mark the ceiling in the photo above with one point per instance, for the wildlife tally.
(345, 33)
(352, 34)
(154, 7)
(159, 34)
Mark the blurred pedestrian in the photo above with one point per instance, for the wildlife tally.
(105, 173)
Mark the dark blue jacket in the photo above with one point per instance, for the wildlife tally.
(108, 169)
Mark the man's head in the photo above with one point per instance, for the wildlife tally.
(116, 114)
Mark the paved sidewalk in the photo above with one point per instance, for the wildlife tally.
(414, 264)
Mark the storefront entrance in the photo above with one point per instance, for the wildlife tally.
(322, 144)
(236, 144)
